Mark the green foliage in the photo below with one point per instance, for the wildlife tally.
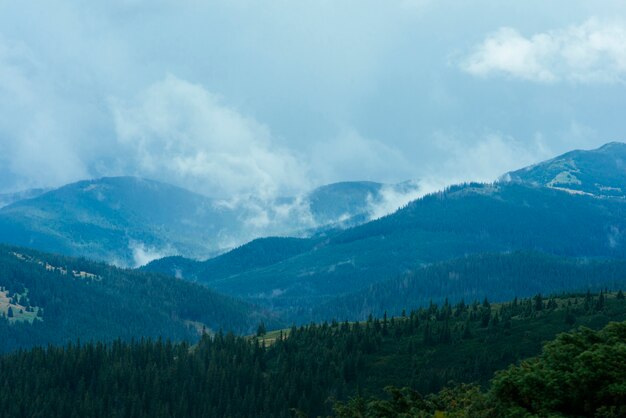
(581, 373)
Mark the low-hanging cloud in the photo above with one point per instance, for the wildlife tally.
(592, 52)
(179, 132)
(392, 197)
(346, 155)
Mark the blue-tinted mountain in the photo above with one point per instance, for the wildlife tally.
(120, 220)
(599, 172)
(129, 221)
(258, 253)
(469, 219)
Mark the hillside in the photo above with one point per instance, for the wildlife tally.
(599, 172)
(258, 253)
(122, 220)
(307, 368)
(64, 299)
(496, 276)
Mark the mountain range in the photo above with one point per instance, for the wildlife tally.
(518, 213)
(528, 232)
(129, 221)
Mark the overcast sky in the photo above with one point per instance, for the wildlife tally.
(273, 97)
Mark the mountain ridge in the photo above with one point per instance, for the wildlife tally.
(461, 220)
(130, 221)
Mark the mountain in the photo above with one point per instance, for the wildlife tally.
(122, 220)
(598, 172)
(467, 219)
(49, 299)
(461, 220)
(129, 221)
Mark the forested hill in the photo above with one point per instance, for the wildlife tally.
(47, 299)
(258, 253)
(302, 371)
(496, 276)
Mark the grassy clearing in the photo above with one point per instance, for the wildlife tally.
(20, 312)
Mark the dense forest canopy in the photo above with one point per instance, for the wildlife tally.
(306, 370)
(56, 299)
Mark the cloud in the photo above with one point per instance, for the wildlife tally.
(392, 197)
(143, 255)
(35, 139)
(179, 132)
(350, 156)
(592, 52)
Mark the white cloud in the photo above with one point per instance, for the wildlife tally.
(350, 156)
(143, 255)
(594, 51)
(394, 196)
(35, 140)
(179, 132)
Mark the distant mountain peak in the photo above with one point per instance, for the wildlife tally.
(600, 172)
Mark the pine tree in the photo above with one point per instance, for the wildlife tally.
(261, 331)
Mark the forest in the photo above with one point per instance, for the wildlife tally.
(446, 354)
(74, 298)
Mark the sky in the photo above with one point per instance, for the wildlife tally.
(271, 98)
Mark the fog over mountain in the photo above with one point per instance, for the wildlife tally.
(129, 221)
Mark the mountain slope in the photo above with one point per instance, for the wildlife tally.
(495, 276)
(55, 299)
(599, 172)
(461, 220)
(8, 198)
(259, 253)
(120, 220)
